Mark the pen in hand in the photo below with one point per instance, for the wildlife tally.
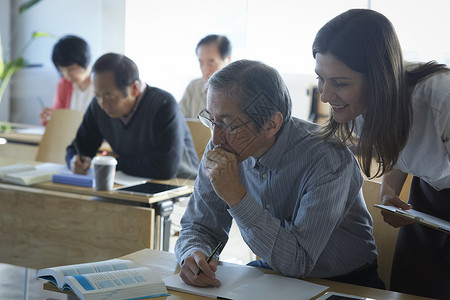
(78, 152)
(210, 257)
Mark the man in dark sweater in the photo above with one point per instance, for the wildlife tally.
(143, 124)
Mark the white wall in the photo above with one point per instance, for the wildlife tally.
(99, 22)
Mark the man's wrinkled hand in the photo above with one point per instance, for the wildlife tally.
(221, 167)
(80, 165)
(191, 266)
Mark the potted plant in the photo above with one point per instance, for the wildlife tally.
(8, 68)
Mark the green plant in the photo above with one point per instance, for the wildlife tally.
(8, 68)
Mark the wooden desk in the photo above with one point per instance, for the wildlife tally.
(25, 146)
(164, 264)
(18, 145)
(41, 228)
(56, 224)
(105, 194)
(14, 136)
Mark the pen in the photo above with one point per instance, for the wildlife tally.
(40, 101)
(210, 257)
(78, 151)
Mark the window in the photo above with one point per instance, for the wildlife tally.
(161, 36)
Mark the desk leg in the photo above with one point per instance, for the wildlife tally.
(163, 222)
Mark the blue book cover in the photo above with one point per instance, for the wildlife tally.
(74, 179)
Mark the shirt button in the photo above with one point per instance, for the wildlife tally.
(267, 206)
(264, 175)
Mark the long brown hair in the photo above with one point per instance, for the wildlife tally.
(366, 42)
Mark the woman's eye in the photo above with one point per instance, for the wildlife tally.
(340, 84)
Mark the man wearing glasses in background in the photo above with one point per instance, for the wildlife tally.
(143, 125)
(296, 198)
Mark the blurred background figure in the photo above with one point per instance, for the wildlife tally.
(214, 53)
(71, 56)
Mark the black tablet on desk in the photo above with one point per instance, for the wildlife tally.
(151, 189)
(340, 296)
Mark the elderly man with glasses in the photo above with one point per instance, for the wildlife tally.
(142, 123)
(296, 198)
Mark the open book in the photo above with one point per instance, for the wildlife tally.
(109, 279)
(26, 174)
(419, 217)
(243, 282)
(19, 167)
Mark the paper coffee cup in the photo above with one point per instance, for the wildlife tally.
(104, 172)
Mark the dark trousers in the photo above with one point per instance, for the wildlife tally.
(421, 264)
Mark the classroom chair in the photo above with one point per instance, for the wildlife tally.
(59, 133)
(319, 111)
(200, 136)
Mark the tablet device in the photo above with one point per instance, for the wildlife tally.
(151, 189)
(340, 296)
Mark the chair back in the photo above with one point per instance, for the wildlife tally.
(200, 136)
(59, 133)
(384, 234)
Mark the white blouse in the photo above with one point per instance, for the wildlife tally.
(80, 99)
(427, 152)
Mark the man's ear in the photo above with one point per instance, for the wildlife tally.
(135, 88)
(273, 125)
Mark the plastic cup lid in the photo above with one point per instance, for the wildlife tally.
(104, 160)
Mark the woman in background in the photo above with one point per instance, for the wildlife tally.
(400, 115)
(71, 56)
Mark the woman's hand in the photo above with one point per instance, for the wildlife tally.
(390, 217)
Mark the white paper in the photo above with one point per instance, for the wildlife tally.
(243, 282)
(272, 286)
(53, 167)
(125, 179)
(229, 276)
(38, 130)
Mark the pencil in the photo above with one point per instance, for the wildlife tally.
(78, 152)
(211, 256)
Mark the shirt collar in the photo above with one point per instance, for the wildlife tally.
(126, 120)
(271, 159)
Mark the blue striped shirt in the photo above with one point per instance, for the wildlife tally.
(303, 214)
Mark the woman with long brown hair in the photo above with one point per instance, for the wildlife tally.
(397, 113)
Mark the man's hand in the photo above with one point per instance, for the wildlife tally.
(390, 217)
(222, 170)
(192, 264)
(80, 165)
(45, 115)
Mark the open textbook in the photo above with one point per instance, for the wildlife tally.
(243, 282)
(14, 168)
(27, 174)
(419, 217)
(109, 279)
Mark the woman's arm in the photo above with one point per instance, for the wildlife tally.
(390, 189)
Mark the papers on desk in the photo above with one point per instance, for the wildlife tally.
(125, 179)
(419, 217)
(38, 130)
(26, 174)
(243, 282)
(15, 168)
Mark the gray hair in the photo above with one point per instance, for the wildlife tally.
(258, 89)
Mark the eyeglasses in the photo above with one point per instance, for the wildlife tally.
(222, 126)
